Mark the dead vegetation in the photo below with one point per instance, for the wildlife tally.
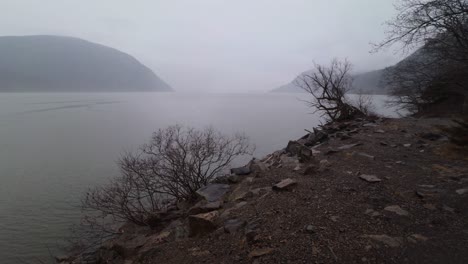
(328, 86)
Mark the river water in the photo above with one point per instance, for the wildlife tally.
(54, 146)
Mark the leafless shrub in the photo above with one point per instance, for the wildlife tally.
(173, 165)
(328, 87)
(443, 24)
(365, 104)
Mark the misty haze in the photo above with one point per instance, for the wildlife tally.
(234, 131)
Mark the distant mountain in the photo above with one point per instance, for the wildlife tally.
(369, 82)
(65, 64)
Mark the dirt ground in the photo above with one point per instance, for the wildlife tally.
(416, 213)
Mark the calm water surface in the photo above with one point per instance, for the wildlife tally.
(54, 146)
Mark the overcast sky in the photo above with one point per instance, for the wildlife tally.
(216, 45)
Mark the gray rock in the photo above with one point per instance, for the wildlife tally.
(213, 192)
(372, 212)
(387, 240)
(202, 207)
(202, 224)
(233, 225)
(397, 210)
(260, 252)
(419, 237)
(369, 178)
(261, 191)
(284, 184)
(310, 229)
(244, 170)
(365, 155)
(297, 149)
(256, 166)
(369, 125)
(462, 191)
(251, 231)
(349, 146)
(233, 178)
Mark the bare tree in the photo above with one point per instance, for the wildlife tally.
(173, 165)
(440, 23)
(328, 87)
(435, 76)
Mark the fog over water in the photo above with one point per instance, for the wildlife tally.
(213, 45)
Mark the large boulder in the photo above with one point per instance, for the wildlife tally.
(213, 192)
(202, 224)
(297, 149)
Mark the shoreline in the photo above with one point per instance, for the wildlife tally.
(377, 190)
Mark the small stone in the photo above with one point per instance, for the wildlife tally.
(334, 218)
(397, 210)
(284, 184)
(369, 125)
(370, 178)
(372, 212)
(297, 168)
(419, 237)
(362, 154)
(260, 252)
(345, 147)
(383, 143)
(387, 240)
(239, 205)
(310, 229)
(233, 225)
(380, 131)
(462, 191)
(406, 145)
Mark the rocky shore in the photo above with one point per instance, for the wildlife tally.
(364, 191)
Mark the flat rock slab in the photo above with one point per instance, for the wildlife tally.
(260, 252)
(245, 170)
(365, 155)
(284, 184)
(345, 147)
(387, 240)
(397, 210)
(213, 192)
(369, 178)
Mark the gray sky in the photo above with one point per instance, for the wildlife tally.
(216, 45)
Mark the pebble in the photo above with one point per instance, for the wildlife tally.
(397, 210)
(370, 178)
